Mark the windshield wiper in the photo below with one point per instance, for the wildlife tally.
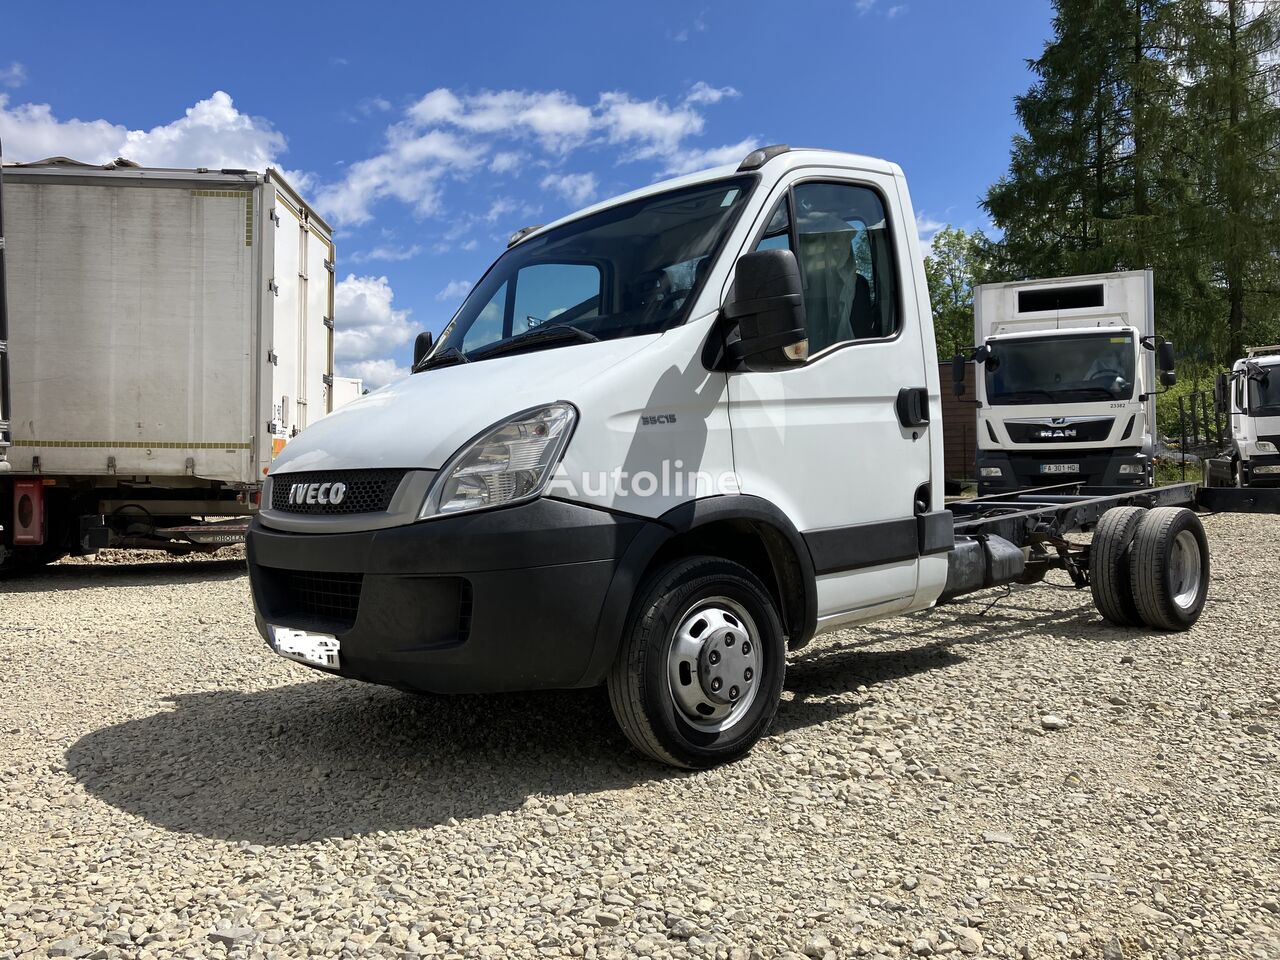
(1079, 393)
(445, 358)
(538, 336)
(1021, 396)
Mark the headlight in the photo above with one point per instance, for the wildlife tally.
(1133, 468)
(511, 462)
(1265, 446)
(992, 472)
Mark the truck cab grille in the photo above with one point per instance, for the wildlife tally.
(363, 491)
(307, 599)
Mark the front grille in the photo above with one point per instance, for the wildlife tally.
(363, 491)
(1046, 431)
(324, 598)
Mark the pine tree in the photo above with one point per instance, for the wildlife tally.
(1230, 60)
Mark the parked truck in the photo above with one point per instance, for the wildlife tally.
(1249, 398)
(169, 332)
(1067, 381)
(663, 441)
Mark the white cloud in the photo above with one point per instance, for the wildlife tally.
(702, 92)
(652, 127)
(454, 290)
(387, 252)
(374, 373)
(577, 188)
(506, 161)
(410, 170)
(863, 6)
(212, 133)
(14, 75)
(368, 327)
(699, 26)
(554, 117)
(926, 228)
(690, 161)
(896, 11)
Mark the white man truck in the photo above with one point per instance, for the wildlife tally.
(1250, 396)
(1067, 381)
(167, 333)
(664, 440)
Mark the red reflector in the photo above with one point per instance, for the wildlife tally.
(28, 513)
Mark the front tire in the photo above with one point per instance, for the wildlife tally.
(1170, 568)
(699, 674)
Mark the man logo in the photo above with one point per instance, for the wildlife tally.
(329, 494)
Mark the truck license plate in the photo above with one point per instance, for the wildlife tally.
(316, 649)
(1060, 468)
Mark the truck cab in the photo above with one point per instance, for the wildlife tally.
(662, 442)
(1067, 382)
(1251, 397)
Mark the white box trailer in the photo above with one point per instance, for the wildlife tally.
(346, 389)
(169, 331)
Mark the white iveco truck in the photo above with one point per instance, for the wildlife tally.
(1067, 381)
(168, 332)
(1250, 395)
(662, 441)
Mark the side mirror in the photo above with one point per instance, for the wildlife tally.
(1168, 378)
(1165, 358)
(768, 305)
(957, 374)
(1221, 393)
(421, 347)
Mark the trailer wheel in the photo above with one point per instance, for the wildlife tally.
(1170, 568)
(1109, 561)
(698, 676)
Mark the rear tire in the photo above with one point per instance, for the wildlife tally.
(698, 677)
(1170, 568)
(1110, 579)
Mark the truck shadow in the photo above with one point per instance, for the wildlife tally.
(331, 758)
(87, 576)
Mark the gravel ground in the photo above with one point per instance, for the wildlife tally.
(1018, 780)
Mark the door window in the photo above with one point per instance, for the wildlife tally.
(488, 325)
(846, 259)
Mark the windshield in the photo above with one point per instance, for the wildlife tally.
(1264, 393)
(629, 270)
(1061, 369)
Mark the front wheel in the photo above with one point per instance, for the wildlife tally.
(699, 674)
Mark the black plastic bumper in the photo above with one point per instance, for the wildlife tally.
(1022, 471)
(498, 600)
(1250, 476)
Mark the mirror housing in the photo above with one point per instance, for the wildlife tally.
(1221, 392)
(768, 306)
(421, 347)
(957, 374)
(1165, 357)
(1168, 378)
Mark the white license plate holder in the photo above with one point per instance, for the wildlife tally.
(314, 649)
(1059, 468)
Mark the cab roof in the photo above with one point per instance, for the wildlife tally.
(776, 160)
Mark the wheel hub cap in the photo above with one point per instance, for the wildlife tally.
(714, 665)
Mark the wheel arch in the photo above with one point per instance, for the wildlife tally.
(748, 530)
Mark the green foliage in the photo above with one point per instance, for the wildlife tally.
(1150, 140)
(957, 261)
(1167, 422)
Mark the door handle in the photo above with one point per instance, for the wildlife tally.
(913, 406)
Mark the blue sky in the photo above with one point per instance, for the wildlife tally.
(427, 133)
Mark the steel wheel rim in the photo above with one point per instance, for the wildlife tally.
(1185, 569)
(713, 664)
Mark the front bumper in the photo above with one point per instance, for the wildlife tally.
(1021, 471)
(498, 600)
(1249, 475)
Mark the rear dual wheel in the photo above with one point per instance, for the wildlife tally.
(699, 675)
(1150, 567)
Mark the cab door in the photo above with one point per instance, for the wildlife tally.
(824, 440)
